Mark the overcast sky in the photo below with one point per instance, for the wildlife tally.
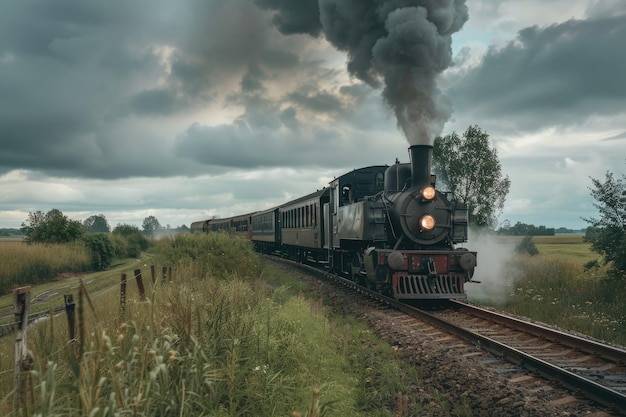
(189, 109)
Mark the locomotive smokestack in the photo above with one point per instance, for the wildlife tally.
(421, 159)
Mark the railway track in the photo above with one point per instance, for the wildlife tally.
(585, 367)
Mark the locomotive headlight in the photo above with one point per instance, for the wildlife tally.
(428, 193)
(427, 222)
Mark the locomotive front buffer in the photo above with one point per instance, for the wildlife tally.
(421, 274)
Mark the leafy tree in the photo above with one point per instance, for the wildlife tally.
(96, 224)
(523, 229)
(52, 227)
(151, 225)
(608, 236)
(126, 230)
(591, 233)
(471, 170)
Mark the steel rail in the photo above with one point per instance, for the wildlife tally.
(616, 354)
(592, 390)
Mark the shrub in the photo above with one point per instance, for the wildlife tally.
(217, 254)
(526, 245)
(135, 240)
(101, 250)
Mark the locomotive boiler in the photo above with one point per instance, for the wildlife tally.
(387, 227)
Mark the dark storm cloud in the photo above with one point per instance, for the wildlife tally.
(95, 89)
(291, 17)
(298, 129)
(87, 88)
(318, 102)
(252, 81)
(556, 75)
(237, 145)
(70, 68)
(155, 101)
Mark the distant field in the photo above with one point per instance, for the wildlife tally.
(571, 247)
(10, 239)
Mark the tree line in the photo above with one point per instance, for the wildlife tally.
(55, 227)
(523, 229)
(104, 244)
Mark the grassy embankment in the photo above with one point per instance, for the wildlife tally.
(215, 341)
(553, 287)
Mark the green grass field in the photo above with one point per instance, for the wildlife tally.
(570, 247)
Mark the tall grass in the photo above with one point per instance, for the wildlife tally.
(557, 290)
(23, 264)
(216, 341)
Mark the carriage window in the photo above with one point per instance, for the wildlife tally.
(307, 216)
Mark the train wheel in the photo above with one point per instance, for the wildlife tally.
(356, 267)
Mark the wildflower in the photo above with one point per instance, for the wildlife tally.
(263, 368)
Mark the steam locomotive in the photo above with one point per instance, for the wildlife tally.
(387, 227)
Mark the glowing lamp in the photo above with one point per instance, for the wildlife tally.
(428, 193)
(427, 222)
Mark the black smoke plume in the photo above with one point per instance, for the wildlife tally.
(401, 44)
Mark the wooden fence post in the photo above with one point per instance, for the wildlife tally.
(164, 274)
(70, 311)
(23, 358)
(152, 274)
(169, 274)
(123, 299)
(139, 279)
(81, 323)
